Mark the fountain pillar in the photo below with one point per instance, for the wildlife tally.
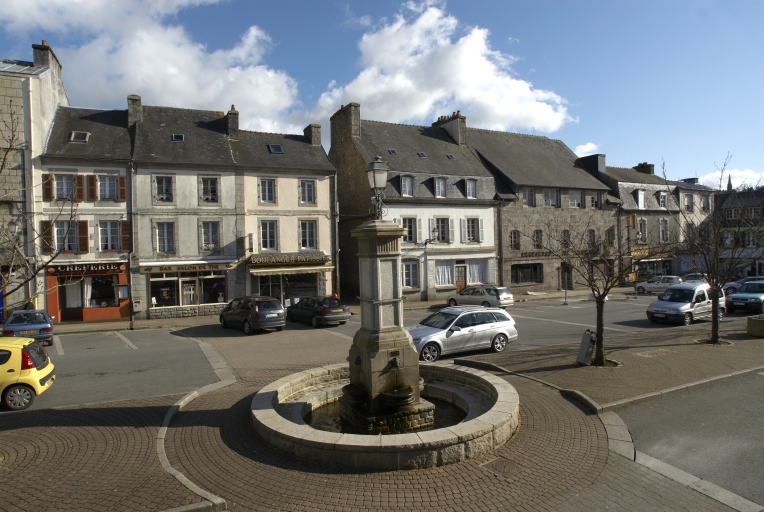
(383, 394)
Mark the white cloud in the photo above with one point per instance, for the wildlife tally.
(353, 21)
(740, 178)
(589, 148)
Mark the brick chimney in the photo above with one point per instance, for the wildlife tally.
(645, 168)
(44, 56)
(595, 164)
(134, 110)
(232, 123)
(313, 133)
(693, 181)
(455, 125)
(349, 116)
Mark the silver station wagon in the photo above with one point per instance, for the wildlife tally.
(483, 295)
(462, 328)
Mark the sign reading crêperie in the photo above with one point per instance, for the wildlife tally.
(289, 258)
(194, 267)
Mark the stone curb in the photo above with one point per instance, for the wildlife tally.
(210, 501)
(620, 441)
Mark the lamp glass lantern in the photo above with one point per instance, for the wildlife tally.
(13, 227)
(376, 172)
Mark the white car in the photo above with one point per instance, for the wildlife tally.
(694, 279)
(657, 284)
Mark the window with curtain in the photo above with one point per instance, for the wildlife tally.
(307, 234)
(66, 236)
(109, 234)
(107, 186)
(444, 273)
(514, 240)
(210, 236)
(476, 271)
(165, 237)
(411, 274)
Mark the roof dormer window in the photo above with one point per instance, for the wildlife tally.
(79, 136)
(421, 154)
(450, 156)
(178, 137)
(392, 151)
(276, 149)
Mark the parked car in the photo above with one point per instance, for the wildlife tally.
(318, 311)
(253, 313)
(694, 278)
(483, 295)
(460, 328)
(749, 297)
(685, 303)
(657, 284)
(34, 323)
(733, 286)
(25, 371)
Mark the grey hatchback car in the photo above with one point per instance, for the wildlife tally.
(30, 323)
(488, 296)
(253, 313)
(462, 328)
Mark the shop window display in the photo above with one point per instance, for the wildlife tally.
(187, 288)
(100, 291)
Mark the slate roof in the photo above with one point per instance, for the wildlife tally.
(252, 150)
(691, 186)
(630, 175)
(378, 137)
(532, 160)
(109, 136)
(20, 67)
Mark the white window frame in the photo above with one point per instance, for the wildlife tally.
(210, 235)
(591, 237)
(108, 232)
(641, 234)
(444, 235)
(729, 239)
(407, 186)
(472, 227)
(538, 239)
(65, 241)
(470, 189)
(662, 203)
(162, 196)
(529, 197)
(663, 230)
(731, 213)
(210, 189)
(107, 187)
(750, 240)
(307, 192)
(705, 203)
(410, 233)
(308, 234)
(640, 199)
(165, 243)
(267, 228)
(64, 186)
(689, 202)
(574, 198)
(410, 270)
(440, 187)
(514, 240)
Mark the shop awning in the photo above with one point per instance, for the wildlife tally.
(289, 270)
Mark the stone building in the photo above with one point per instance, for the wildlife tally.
(696, 202)
(30, 92)
(437, 190)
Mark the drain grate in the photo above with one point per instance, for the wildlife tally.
(504, 467)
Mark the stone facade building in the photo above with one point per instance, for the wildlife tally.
(30, 92)
(437, 190)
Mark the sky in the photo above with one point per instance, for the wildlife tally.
(676, 83)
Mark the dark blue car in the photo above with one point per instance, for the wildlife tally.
(30, 323)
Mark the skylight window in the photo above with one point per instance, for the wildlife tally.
(79, 136)
(450, 156)
(178, 137)
(421, 154)
(276, 149)
(392, 151)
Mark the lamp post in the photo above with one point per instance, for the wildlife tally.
(376, 172)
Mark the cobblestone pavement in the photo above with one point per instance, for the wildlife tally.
(558, 461)
(651, 361)
(100, 457)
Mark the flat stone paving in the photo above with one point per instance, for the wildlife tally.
(558, 461)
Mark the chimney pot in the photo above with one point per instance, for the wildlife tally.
(45, 43)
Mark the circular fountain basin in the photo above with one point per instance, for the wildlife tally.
(492, 408)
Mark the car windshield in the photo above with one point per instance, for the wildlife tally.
(439, 320)
(678, 295)
(330, 302)
(27, 318)
(752, 288)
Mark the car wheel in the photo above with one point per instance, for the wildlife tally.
(247, 327)
(640, 289)
(720, 314)
(499, 343)
(452, 302)
(18, 397)
(289, 316)
(486, 304)
(279, 328)
(653, 320)
(687, 319)
(223, 324)
(730, 310)
(314, 322)
(430, 353)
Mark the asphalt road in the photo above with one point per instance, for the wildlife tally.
(714, 432)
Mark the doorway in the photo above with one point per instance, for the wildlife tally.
(188, 291)
(70, 300)
(460, 277)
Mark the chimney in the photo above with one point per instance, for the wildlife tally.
(645, 168)
(455, 125)
(347, 117)
(232, 123)
(134, 110)
(44, 56)
(595, 164)
(693, 181)
(313, 134)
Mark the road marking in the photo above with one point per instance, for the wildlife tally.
(761, 373)
(568, 323)
(127, 341)
(57, 344)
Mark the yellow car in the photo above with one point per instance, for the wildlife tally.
(25, 371)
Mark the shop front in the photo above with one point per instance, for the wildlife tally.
(87, 292)
(186, 289)
(287, 276)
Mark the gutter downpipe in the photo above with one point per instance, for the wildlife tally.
(501, 242)
(132, 245)
(29, 247)
(336, 240)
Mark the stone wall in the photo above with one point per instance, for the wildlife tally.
(185, 311)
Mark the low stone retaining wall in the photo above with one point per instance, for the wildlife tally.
(755, 326)
(474, 437)
(185, 311)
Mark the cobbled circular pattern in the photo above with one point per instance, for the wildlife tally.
(559, 456)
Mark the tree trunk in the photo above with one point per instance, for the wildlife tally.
(599, 347)
(713, 293)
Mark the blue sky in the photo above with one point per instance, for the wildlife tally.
(678, 82)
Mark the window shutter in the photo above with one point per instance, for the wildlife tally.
(299, 234)
(79, 188)
(48, 183)
(92, 188)
(46, 234)
(83, 236)
(463, 223)
(259, 191)
(259, 235)
(397, 221)
(200, 235)
(125, 236)
(275, 190)
(432, 226)
(122, 189)
(419, 238)
(154, 237)
(482, 234)
(451, 231)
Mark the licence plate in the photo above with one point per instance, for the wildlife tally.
(739, 303)
(659, 314)
(337, 310)
(271, 315)
(33, 331)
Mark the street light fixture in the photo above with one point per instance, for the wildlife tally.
(13, 227)
(376, 172)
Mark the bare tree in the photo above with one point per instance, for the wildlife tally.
(598, 265)
(729, 239)
(17, 270)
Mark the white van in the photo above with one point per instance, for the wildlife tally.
(684, 303)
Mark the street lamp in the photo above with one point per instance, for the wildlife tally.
(376, 172)
(13, 227)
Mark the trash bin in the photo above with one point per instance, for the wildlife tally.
(586, 351)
